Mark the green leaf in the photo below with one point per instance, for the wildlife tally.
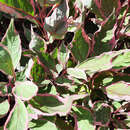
(47, 87)
(65, 83)
(18, 118)
(63, 124)
(29, 67)
(116, 104)
(63, 55)
(48, 2)
(113, 79)
(77, 73)
(37, 72)
(6, 61)
(96, 64)
(122, 60)
(103, 109)
(31, 113)
(42, 125)
(49, 104)
(71, 5)
(84, 118)
(59, 68)
(97, 95)
(47, 60)
(87, 3)
(4, 108)
(103, 128)
(25, 90)
(3, 88)
(103, 8)
(20, 75)
(127, 121)
(104, 36)
(36, 44)
(106, 61)
(23, 5)
(9, 10)
(56, 24)
(80, 47)
(119, 91)
(13, 43)
(82, 4)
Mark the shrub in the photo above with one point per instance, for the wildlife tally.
(64, 64)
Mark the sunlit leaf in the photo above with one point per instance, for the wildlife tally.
(119, 91)
(77, 73)
(18, 118)
(25, 90)
(42, 125)
(6, 61)
(122, 60)
(12, 41)
(4, 108)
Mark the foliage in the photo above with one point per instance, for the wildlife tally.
(64, 64)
